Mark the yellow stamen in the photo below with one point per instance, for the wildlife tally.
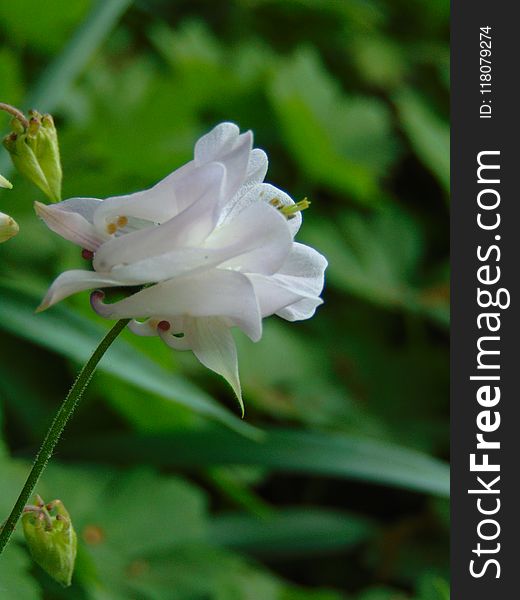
(111, 228)
(122, 222)
(290, 210)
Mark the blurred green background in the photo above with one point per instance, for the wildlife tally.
(173, 497)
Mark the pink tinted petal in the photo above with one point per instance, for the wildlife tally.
(69, 225)
(71, 282)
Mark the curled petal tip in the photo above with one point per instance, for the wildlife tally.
(96, 301)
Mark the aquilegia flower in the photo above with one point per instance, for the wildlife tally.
(210, 247)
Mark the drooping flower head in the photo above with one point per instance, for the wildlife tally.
(210, 246)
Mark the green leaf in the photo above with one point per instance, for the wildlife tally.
(344, 143)
(75, 337)
(428, 134)
(290, 532)
(15, 579)
(376, 257)
(432, 587)
(59, 75)
(325, 454)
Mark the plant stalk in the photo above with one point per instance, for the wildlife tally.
(64, 413)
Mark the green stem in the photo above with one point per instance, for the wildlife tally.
(58, 425)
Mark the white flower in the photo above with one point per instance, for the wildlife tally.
(212, 240)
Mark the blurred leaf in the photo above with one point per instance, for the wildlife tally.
(428, 134)
(343, 143)
(376, 257)
(287, 451)
(11, 77)
(41, 25)
(16, 582)
(55, 80)
(75, 337)
(432, 587)
(290, 532)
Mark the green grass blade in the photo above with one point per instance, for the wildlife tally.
(310, 452)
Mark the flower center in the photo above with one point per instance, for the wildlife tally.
(119, 223)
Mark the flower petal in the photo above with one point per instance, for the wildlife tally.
(265, 193)
(70, 225)
(212, 343)
(256, 167)
(218, 142)
(164, 200)
(257, 241)
(293, 292)
(70, 282)
(188, 228)
(261, 238)
(82, 206)
(236, 163)
(215, 293)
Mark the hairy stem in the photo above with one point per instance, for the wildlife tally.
(55, 430)
(17, 114)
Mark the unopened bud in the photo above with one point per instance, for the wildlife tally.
(8, 227)
(33, 146)
(51, 538)
(5, 183)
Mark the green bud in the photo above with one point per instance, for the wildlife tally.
(5, 183)
(33, 146)
(51, 538)
(8, 227)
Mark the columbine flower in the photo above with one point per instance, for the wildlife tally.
(213, 239)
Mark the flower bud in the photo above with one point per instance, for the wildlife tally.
(34, 150)
(5, 183)
(8, 227)
(51, 538)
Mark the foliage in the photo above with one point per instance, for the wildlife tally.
(334, 487)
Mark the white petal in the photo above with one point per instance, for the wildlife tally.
(216, 293)
(236, 162)
(164, 200)
(216, 143)
(307, 265)
(301, 310)
(70, 225)
(82, 206)
(293, 292)
(212, 343)
(257, 241)
(70, 282)
(264, 193)
(257, 167)
(188, 228)
(261, 238)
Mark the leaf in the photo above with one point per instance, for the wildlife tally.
(75, 337)
(428, 134)
(433, 587)
(376, 257)
(15, 579)
(56, 79)
(325, 454)
(344, 143)
(290, 532)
